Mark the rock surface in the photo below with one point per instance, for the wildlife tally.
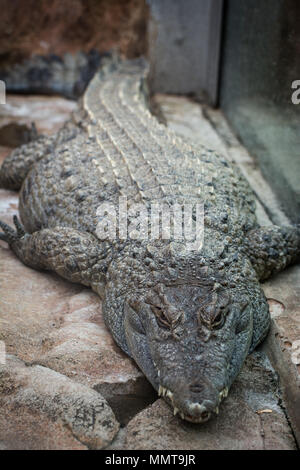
(250, 418)
(49, 321)
(283, 342)
(41, 409)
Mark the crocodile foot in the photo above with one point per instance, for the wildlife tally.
(10, 235)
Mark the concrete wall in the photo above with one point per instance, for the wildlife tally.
(184, 46)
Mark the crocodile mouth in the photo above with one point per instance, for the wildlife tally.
(196, 420)
(201, 414)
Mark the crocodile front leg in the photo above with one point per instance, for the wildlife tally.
(76, 256)
(271, 249)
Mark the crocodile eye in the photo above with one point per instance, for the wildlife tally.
(218, 319)
(161, 318)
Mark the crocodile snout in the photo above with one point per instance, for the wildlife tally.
(193, 402)
(199, 412)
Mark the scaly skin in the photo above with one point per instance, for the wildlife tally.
(188, 317)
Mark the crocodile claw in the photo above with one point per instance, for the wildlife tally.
(10, 235)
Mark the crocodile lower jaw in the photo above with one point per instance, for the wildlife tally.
(162, 391)
(195, 420)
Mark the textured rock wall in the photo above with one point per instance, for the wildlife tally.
(46, 27)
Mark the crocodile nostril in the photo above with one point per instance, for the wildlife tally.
(196, 388)
(205, 415)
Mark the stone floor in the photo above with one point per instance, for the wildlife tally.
(64, 384)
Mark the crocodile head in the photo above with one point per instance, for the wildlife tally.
(190, 341)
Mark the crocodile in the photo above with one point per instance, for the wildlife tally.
(187, 313)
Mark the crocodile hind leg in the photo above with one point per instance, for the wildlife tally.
(271, 249)
(16, 166)
(76, 256)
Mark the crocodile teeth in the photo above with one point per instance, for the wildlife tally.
(223, 393)
(162, 391)
(182, 415)
(169, 394)
(176, 410)
(217, 410)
